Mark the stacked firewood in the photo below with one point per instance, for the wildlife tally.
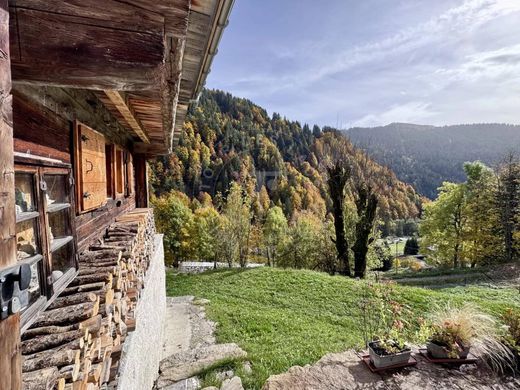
(77, 342)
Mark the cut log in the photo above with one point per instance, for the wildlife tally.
(92, 278)
(61, 384)
(33, 332)
(44, 379)
(45, 342)
(50, 358)
(94, 287)
(70, 300)
(92, 324)
(67, 315)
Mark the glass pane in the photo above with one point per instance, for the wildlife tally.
(34, 286)
(62, 261)
(24, 192)
(57, 189)
(59, 224)
(27, 239)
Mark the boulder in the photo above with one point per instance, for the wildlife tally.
(189, 363)
(234, 383)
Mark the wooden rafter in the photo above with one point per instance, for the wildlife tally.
(125, 109)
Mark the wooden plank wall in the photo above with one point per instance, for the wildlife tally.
(10, 359)
(43, 124)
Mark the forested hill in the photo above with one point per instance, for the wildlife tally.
(277, 160)
(425, 156)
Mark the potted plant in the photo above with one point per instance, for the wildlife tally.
(455, 331)
(384, 326)
(386, 353)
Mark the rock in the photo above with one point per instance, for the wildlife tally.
(183, 299)
(201, 301)
(188, 363)
(192, 383)
(345, 371)
(248, 369)
(334, 371)
(234, 383)
(223, 375)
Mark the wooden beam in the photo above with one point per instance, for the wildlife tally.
(10, 359)
(77, 45)
(125, 109)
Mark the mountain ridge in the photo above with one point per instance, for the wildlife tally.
(426, 155)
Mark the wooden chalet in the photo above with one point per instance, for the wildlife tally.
(89, 91)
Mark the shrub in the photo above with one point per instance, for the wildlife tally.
(511, 319)
(411, 248)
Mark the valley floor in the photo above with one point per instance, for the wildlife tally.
(283, 318)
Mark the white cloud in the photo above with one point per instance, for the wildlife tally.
(411, 112)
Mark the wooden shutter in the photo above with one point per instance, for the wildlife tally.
(90, 168)
(129, 174)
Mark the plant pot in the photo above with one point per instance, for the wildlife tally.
(439, 352)
(382, 360)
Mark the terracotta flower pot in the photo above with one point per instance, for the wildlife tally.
(380, 360)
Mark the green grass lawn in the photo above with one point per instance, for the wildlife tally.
(284, 318)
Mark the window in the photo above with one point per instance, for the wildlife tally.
(90, 165)
(44, 232)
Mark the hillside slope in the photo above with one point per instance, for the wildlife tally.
(229, 139)
(425, 156)
(285, 317)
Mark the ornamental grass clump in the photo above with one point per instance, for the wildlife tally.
(458, 329)
(511, 319)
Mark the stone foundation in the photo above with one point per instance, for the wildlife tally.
(142, 349)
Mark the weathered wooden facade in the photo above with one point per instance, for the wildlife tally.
(89, 91)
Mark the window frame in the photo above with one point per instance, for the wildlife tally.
(49, 289)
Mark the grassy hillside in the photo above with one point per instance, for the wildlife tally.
(291, 317)
(425, 156)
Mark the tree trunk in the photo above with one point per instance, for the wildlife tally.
(366, 204)
(339, 175)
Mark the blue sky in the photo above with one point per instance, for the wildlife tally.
(372, 62)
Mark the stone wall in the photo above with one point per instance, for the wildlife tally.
(143, 347)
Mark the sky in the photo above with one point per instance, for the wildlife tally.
(348, 63)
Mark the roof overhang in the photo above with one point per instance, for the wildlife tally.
(146, 60)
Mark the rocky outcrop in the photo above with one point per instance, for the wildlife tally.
(345, 371)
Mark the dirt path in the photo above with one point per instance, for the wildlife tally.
(190, 347)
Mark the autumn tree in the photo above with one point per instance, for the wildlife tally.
(275, 230)
(481, 243)
(443, 224)
(338, 176)
(204, 233)
(237, 210)
(174, 219)
(304, 240)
